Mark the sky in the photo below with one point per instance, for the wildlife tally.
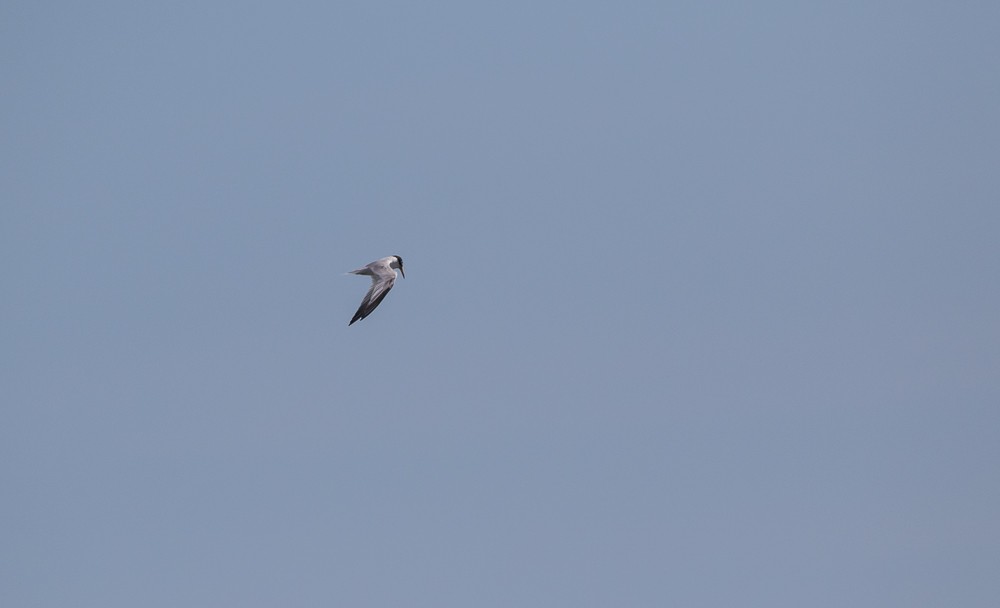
(701, 306)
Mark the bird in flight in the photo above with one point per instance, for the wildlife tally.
(383, 275)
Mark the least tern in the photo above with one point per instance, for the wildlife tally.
(383, 276)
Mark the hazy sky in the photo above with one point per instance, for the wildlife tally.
(702, 304)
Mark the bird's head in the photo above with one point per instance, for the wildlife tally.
(397, 263)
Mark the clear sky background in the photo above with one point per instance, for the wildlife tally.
(702, 304)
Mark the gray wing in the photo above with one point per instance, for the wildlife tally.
(381, 284)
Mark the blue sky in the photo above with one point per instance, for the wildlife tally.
(701, 304)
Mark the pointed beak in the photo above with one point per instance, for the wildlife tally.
(401, 272)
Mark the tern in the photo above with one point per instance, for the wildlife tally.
(383, 275)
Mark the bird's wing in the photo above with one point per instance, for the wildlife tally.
(381, 284)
